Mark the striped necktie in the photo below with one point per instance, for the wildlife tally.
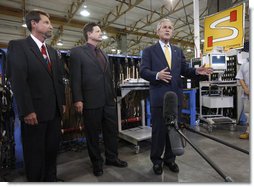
(45, 56)
(167, 55)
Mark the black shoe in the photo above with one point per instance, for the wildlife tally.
(59, 180)
(117, 162)
(157, 168)
(172, 166)
(97, 170)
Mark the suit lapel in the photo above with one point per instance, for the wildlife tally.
(173, 56)
(34, 48)
(160, 54)
(89, 52)
(51, 57)
(107, 61)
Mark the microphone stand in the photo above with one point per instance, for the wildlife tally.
(218, 140)
(203, 155)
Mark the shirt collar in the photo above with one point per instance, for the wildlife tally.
(38, 42)
(163, 44)
(91, 46)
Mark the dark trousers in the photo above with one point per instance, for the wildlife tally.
(103, 120)
(40, 146)
(160, 138)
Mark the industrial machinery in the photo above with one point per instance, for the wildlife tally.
(214, 94)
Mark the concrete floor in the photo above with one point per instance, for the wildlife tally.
(74, 165)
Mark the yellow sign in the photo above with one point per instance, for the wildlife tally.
(225, 29)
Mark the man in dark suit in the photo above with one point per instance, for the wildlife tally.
(36, 80)
(163, 64)
(93, 95)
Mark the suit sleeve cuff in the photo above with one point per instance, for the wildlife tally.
(196, 72)
(157, 76)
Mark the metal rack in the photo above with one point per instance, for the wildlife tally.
(140, 133)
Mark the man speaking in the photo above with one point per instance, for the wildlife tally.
(163, 64)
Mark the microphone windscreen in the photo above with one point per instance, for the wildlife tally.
(176, 142)
(170, 105)
(170, 113)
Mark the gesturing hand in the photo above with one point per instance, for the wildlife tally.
(202, 70)
(164, 75)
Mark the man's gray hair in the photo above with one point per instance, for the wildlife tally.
(161, 21)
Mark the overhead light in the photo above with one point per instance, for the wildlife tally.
(24, 25)
(85, 13)
(104, 36)
(59, 43)
(188, 49)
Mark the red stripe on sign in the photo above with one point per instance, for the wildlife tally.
(210, 41)
(233, 15)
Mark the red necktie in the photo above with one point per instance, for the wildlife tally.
(45, 56)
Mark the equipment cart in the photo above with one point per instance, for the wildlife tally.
(140, 133)
(216, 99)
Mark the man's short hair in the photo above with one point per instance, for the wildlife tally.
(34, 15)
(88, 28)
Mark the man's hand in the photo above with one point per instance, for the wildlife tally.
(31, 119)
(246, 91)
(164, 75)
(78, 106)
(64, 109)
(202, 70)
(245, 87)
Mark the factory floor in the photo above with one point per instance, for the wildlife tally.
(74, 164)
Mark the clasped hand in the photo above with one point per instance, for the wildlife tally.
(78, 106)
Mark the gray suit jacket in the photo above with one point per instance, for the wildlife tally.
(89, 82)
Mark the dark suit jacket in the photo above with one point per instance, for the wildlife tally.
(35, 88)
(89, 82)
(153, 60)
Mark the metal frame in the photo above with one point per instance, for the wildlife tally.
(137, 134)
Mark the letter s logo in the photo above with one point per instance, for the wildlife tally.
(225, 29)
(230, 37)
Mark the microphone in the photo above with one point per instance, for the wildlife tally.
(170, 113)
(170, 108)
